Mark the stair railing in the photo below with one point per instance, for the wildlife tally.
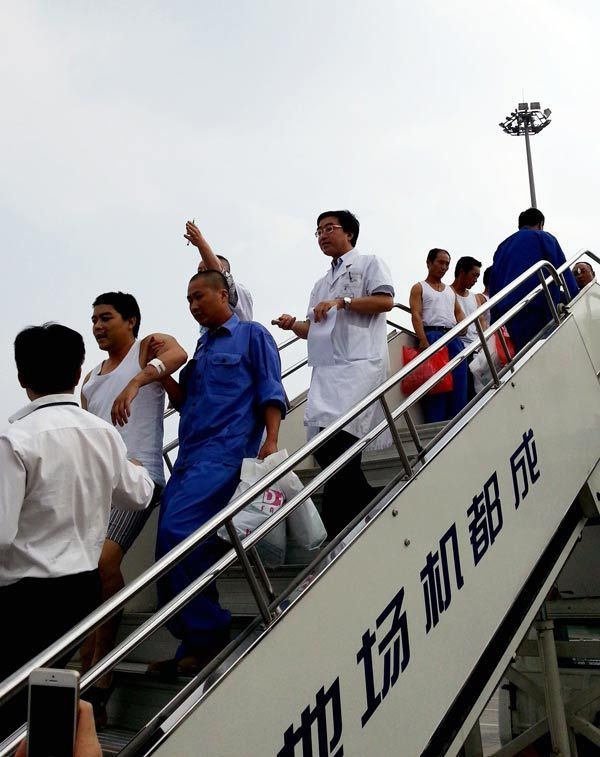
(72, 638)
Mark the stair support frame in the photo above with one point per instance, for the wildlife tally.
(261, 602)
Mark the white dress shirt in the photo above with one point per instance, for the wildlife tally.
(244, 306)
(60, 469)
(360, 351)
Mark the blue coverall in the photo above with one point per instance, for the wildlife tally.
(234, 374)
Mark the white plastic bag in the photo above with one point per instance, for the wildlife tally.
(480, 367)
(305, 528)
(271, 547)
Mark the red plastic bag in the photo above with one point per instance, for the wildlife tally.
(500, 349)
(425, 371)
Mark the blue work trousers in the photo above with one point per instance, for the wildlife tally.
(192, 496)
(443, 407)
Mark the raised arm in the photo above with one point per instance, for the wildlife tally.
(195, 237)
(416, 313)
(160, 356)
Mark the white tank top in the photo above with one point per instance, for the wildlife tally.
(143, 434)
(468, 304)
(438, 307)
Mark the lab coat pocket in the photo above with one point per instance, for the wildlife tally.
(351, 284)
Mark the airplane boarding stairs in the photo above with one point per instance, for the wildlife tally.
(393, 639)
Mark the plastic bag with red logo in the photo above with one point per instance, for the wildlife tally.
(271, 547)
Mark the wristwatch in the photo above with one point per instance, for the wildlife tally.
(347, 301)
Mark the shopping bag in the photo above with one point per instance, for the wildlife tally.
(272, 547)
(425, 371)
(305, 529)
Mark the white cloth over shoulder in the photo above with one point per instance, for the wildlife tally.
(61, 468)
(360, 352)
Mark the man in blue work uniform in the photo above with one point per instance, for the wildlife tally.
(514, 256)
(227, 395)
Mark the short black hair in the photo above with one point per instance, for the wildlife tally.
(432, 254)
(486, 276)
(125, 305)
(464, 264)
(531, 217)
(49, 358)
(348, 222)
(214, 279)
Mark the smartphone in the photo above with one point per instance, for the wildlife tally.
(52, 712)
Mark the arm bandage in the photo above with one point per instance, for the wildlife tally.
(159, 365)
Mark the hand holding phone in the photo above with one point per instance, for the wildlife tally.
(52, 712)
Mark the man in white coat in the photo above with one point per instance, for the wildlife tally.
(349, 360)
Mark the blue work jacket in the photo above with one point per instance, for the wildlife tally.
(234, 374)
(518, 253)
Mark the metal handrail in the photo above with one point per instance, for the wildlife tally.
(115, 603)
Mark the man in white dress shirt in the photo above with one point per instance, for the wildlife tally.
(357, 290)
(61, 469)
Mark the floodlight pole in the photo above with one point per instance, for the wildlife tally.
(529, 163)
(527, 119)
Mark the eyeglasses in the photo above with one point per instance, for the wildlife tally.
(327, 229)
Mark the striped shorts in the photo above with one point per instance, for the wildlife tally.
(124, 526)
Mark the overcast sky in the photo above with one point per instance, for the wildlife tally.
(120, 120)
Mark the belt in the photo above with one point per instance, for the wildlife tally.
(436, 328)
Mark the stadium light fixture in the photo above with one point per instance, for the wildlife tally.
(527, 119)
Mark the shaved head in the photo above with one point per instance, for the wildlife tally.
(213, 279)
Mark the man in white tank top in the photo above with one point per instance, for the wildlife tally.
(125, 389)
(240, 299)
(435, 310)
(466, 274)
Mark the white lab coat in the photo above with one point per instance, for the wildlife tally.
(361, 361)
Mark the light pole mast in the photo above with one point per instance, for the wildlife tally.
(527, 119)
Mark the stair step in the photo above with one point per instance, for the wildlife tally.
(113, 740)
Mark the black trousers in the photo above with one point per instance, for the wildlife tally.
(348, 491)
(36, 612)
